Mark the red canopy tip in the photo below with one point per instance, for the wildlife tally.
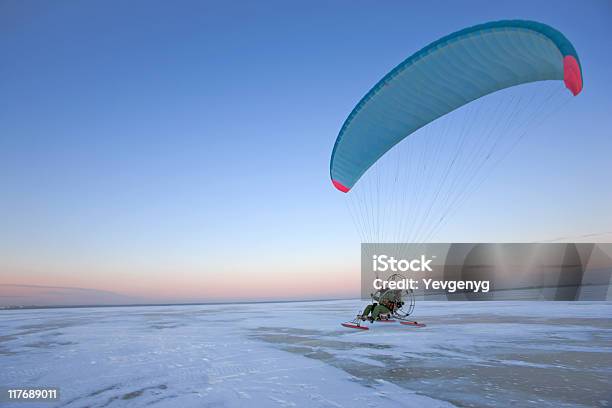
(340, 186)
(571, 74)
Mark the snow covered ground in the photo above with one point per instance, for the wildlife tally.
(540, 354)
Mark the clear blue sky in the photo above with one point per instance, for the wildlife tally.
(149, 142)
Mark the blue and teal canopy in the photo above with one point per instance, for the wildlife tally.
(444, 76)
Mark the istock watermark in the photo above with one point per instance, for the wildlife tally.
(449, 286)
(384, 263)
(489, 271)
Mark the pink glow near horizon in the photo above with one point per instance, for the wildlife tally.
(179, 287)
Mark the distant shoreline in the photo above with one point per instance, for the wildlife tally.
(32, 307)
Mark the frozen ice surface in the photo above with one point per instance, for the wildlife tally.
(482, 354)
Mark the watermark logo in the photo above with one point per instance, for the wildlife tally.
(386, 263)
(489, 271)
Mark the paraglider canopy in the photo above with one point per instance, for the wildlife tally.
(444, 76)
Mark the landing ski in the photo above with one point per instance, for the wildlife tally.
(351, 325)
(414, 324)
